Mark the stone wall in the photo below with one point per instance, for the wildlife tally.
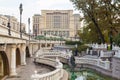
(98, 69)
(116, 67)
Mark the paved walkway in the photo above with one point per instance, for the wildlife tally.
(25, 72)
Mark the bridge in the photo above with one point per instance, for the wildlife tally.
(14, 50)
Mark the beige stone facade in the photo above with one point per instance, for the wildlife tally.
(14, 24)
(56, 22)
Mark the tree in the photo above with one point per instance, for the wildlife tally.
(117, 39)
(109, 17)
(104, 14)
(89, 34)
(89, 9)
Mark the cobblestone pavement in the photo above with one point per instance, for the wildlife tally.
(25, 72)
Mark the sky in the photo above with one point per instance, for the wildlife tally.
(31, 7)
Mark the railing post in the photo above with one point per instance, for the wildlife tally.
(107, 64)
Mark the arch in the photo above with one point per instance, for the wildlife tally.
(18, 57)
(52, 45)
(4, 64)
(48, 45)
(27, 52)
(43, 45)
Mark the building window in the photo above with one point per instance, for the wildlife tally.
(57, 21)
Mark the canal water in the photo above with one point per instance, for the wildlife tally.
(88, 74)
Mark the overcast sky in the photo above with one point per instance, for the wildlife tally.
(31, 7)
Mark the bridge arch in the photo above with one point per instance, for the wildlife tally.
(48, 45)
(52, 45)
(43, 45)
(4, 64)
(18, 57)
(27, 52)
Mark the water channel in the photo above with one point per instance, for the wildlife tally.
(87, 74)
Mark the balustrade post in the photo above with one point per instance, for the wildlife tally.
(107, 64)
(91, 52)
(87, 51)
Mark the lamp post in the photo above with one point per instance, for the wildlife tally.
(111, 40)
(8, 25)
(72, 65)
(76, 51)
(29, 28)
(21, 9)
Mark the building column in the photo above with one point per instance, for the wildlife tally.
(30, 50)
(107, 64)
(35, 48)
(13, 61)
(50, 45)
(23, 55)
(46, 45)
(40, 46)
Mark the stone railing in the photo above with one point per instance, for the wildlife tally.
(78, 60)
(50, 41)
(117, 53)
(4, 31)
(41, 53)
(94, 62)
(98, 46)
(106, 53)
(57, 74)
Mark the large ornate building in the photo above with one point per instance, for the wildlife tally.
(56, 22)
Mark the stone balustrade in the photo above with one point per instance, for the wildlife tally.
(57, 74)
(95, 45)
(117, 53)
(4, 31)
(50, 41)
(41, 53)
(106, 53)
(102, 46)
(94, 62)
(102, 50)
(115, 48)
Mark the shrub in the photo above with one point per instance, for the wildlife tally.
(116, 39)
(82, 48)
(73, 43)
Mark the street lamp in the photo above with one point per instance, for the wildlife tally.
(21, 9)
(29, 28)
(76, 51)
(111, 40)
(8, 25)
(72, 65)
